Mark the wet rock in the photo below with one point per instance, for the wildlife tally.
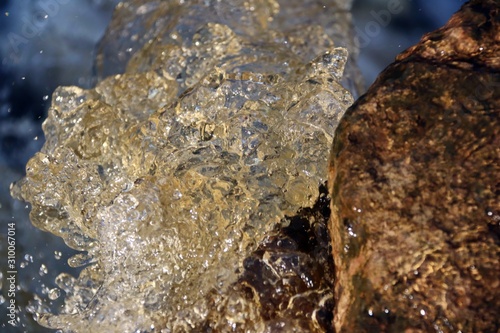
(414, 180)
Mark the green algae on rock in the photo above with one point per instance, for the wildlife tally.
(414, 180)
(171, 174)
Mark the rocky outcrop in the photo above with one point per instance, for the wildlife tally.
(414, 180)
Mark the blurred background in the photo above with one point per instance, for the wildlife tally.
(48, 43)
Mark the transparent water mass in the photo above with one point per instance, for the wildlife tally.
(168, 175)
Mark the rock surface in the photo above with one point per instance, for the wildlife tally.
(174, 175)
(414, 180)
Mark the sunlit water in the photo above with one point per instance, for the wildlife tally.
(170, 175)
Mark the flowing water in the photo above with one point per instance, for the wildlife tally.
(168, 176)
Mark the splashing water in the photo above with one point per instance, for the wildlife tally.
(168, 176)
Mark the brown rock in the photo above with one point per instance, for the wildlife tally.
(415, 183)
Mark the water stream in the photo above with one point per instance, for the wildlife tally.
(169, 175)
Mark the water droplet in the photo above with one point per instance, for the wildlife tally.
(43, 270)
(177, 195)
(351, 232)
(80, 259)
(54, 293)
